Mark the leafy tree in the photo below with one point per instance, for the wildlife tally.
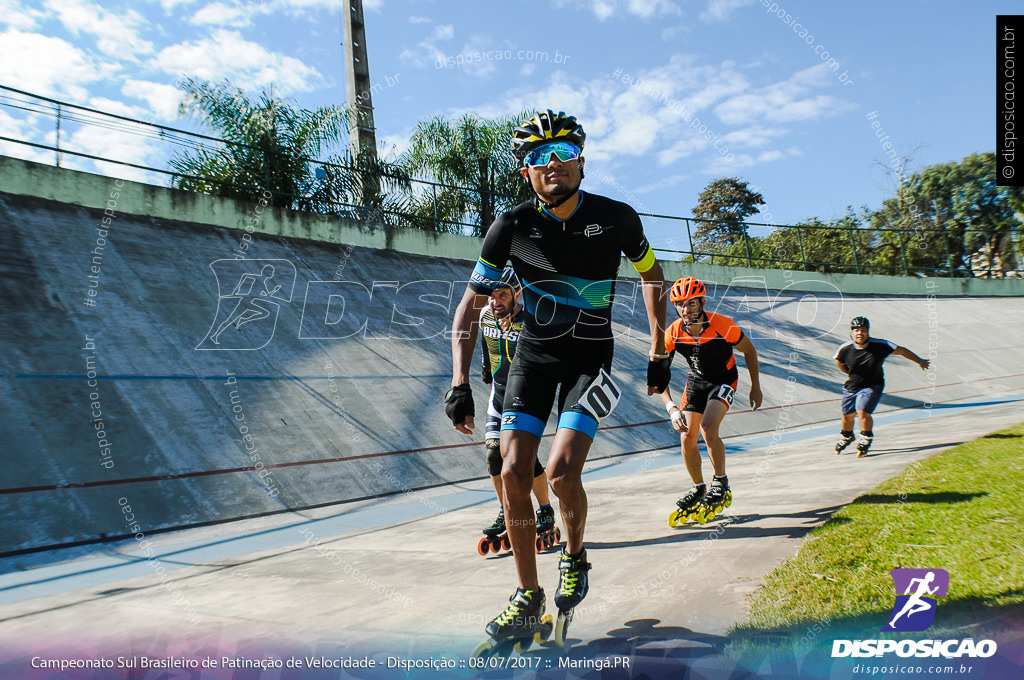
(840, 245)
(727, 202)
(950, 217)
(269, 144)
(473, 154)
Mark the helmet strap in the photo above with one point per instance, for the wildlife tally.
(555, 204)
(563, 199)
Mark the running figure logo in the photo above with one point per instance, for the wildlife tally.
(249, 293)
(914, 611)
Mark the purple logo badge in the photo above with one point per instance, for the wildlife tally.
(914, 611)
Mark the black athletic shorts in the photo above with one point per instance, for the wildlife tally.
(543, 370)
(697, 393)
(492, 426)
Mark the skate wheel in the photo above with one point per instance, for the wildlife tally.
(674, 519)
(523, 646)
(562, 627)
(728, 499)
(505, 544)
(539, 544)
(558, 535)
(704, 515)
(547, 626)
(495, 547)
(484, 649)
(483, 547)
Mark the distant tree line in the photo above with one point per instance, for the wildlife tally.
(947, 219)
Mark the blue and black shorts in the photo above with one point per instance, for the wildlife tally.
(542, 371)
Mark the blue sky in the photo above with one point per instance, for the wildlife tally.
(771, 107)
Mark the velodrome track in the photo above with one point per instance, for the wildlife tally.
(369, 541)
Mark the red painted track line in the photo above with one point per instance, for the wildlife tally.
(322, 461)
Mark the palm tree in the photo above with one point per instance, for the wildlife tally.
(344, 182)
(268, 144)
(473, 157)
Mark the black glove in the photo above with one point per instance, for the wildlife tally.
(458, 403)
(487, 377)
(659, 373)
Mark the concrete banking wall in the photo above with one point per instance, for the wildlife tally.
(119, 390)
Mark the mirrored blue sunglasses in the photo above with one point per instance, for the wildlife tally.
(563, 151)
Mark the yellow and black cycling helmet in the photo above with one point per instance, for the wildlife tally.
(544, 128)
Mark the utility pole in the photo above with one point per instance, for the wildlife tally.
(362, 139)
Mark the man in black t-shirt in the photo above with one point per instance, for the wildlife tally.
(861, 360)
(565, 246)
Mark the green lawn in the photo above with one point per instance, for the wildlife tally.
(961, 510)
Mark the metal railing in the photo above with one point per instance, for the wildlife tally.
(884, 250)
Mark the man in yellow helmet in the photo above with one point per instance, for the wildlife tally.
(565, 245)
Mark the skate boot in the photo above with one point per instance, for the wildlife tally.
(495, 538)
(689, 505)
(548, 534)
(719, 497)
(845, 439)
(573, 583)
(522, 623)
(864, 443)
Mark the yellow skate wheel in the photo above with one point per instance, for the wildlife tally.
(484, 650)
(523, 646)
(674, 519)
(728, 499)
(562, 627)
(547, 626)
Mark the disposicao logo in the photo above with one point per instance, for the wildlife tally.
(914, 611)
(249, 296)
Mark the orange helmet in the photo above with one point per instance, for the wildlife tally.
(686, 288)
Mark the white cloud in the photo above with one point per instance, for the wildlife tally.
(219, 14)
(721, 10)
(754, 136)
(169, 5)
(26, 128)
(787, 101)
(668, 113)
(117, 35)
(48, 66)
(15, 15)
(246, 64)
(721, 165)
(119, 146)
(299, 6)
(420, 20)
(769, 156)
(117, 108)
(665, 183)
(427, 52)
(162, 99)
(606, 9)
